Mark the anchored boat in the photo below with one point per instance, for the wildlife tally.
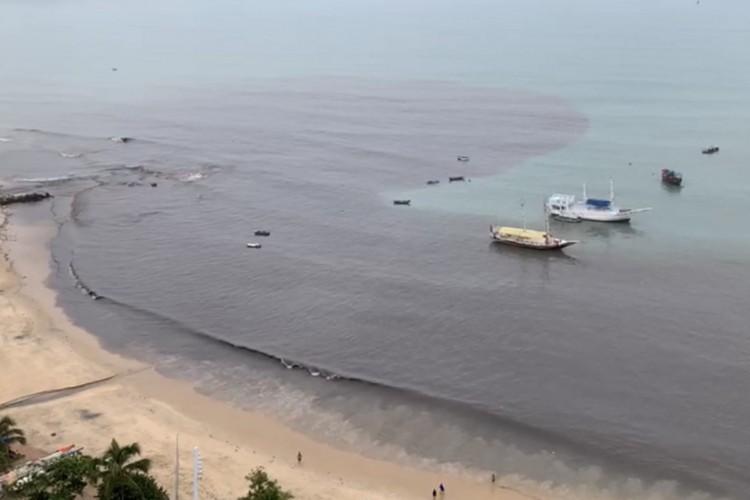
(567, 207)
(671, 177)
(710, 150)
(528, 238)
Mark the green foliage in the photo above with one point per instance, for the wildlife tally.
(64, 479)
(140, 487)
(120, 474)
(264, 488)
(9, 434)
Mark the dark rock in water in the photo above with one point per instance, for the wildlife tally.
(153, 184)
(463, 158)
(9, 199)
(262, 233)
(456, 179)
(402, 202)
(433, 182)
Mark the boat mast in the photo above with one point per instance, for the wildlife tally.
(611, 191)
(523, 213)
(584, 192)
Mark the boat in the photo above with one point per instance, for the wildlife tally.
(254, 245)
(262, 233)
(591, 209)
(528, 238)
(462, 158)
(433, 182)
(566, 218)
(456, 179)
(402, 202)
(671, 177)
(711, 150)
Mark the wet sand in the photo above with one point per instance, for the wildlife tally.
(57, 380)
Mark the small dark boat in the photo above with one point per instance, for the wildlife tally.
(262, 233)
(456, 179)
(671, 177)
(433, 182)
(402, 202)
(462, 158)
(711, 150)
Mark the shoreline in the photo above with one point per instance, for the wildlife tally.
(63, 382)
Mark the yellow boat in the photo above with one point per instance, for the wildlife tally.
(528, 238)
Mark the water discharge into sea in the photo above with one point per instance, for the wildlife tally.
(401, 332)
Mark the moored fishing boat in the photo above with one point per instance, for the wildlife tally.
(528, 238)
(671, 177)
(567, 207)
(710, 150)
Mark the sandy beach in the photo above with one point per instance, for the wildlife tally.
(64, 389)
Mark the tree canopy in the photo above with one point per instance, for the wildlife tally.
(263, 487)
(9, 435)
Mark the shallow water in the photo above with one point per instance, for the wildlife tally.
(619, 366)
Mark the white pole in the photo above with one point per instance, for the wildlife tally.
(196, 471)
(177, 468)
(611, 191)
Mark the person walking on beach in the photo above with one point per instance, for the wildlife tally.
(493, 478)
(442, 489)
(434, 493)
(299, 458)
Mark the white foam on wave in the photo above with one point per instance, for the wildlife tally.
(5, 139)
(44, 179)
(70, 155)
(121, 139)
(192, 177)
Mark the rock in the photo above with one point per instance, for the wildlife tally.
(9, 199)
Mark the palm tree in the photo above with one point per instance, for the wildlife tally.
(117, 471)
(9, 434)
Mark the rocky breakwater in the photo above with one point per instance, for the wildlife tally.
(25, 197)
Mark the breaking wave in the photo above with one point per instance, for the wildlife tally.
(46, 180)
(183, 328)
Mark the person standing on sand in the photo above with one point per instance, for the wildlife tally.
(442, 489)
(493, 478)
(434, 493)
(299, 458)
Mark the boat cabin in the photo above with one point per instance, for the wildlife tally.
(522, 235)
(598, 203)
(560, 202)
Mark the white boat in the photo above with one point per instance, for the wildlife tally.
(567, 207)
(254, 245)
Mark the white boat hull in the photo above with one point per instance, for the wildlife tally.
(604, 217)
(567, 207)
